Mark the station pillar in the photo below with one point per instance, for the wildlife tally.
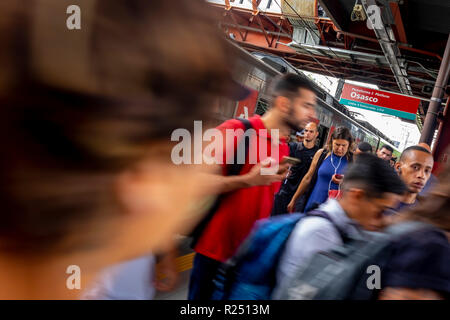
(436, 99)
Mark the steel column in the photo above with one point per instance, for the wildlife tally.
(438, 92)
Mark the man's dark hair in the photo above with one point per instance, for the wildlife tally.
(388, 147)
(289, 84)
(374, 175)
(408, 150)
(365, 147)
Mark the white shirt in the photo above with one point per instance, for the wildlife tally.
(312, 235)
(131, 280)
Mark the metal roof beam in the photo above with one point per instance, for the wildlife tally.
(388, 43)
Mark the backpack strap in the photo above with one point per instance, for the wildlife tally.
(233, 169)
(319, 213)
(228, 271)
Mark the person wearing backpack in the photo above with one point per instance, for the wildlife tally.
(407, 261)
(370, 186)
(278, 248)
(247, 195)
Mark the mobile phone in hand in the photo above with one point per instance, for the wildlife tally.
(339, 176)
(290, 160)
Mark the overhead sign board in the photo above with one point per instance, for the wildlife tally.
(380, 101)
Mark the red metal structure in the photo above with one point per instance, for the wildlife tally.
(404, 55)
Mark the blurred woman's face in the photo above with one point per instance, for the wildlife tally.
(340, 147)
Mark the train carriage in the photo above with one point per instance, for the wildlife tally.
(256, 70)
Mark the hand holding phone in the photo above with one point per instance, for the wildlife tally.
(290, 160)
(337, 178)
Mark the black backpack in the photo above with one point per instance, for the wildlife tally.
(233, 169)
(343, 273)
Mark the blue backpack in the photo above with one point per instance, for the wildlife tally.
(251, 273)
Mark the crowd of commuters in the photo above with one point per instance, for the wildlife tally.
(87, 178)
(325, 172)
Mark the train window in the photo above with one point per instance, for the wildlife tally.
(223, 109)
(261, 106)
(275, 65)
(323, 135)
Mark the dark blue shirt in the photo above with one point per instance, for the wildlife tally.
(420, 260)
(401, 206)
(297, 172)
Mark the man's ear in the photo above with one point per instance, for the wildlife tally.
(282, 104)
(397, 167)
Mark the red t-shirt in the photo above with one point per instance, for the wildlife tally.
(236, 215)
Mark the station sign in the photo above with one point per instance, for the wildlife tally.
(386, 102)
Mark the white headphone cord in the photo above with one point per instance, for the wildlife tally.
(335, 171)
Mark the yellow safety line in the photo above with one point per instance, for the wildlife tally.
(182, 263)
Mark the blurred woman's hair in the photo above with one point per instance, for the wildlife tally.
(435, 206)
(341, 133)
(79, 106)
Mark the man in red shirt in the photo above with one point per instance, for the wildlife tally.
(249, 195)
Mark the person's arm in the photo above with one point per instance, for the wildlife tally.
(166, 275)
(305, 181)
(221, 184)
(391, 293)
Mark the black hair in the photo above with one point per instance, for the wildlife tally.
(388, 147)
(289, 85)
(412, 148)
(365, 147)
(374, 175)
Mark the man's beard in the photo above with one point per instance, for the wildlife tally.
(291, 124)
